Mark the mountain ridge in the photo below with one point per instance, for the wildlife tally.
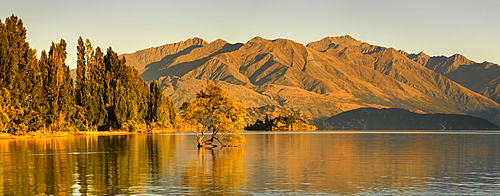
(483, 78)
(324, 78)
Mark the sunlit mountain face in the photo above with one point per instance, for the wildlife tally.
(325, 77)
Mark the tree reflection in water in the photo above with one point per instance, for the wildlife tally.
(216, 170)
(306, 163)
(104, 165)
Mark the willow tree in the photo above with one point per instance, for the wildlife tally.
(214, 110)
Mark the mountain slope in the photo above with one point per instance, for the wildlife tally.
(322, 79)
(398, 66)
(483, 78)
(141, 58)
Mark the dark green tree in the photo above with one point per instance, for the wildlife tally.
(40, 94)
(161, 111)
(18, 71)
(81, 72)
(282, 123)
(58, 88)
(90, 85)
(6, 110)
(96, 112)
(126, 94)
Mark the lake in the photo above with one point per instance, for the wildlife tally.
(322, 162)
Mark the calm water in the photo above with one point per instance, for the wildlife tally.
(276, 163)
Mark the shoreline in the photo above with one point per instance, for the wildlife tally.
(31, 135)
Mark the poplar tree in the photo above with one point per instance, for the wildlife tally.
(58, 88)
(96, 112)
(161, 111)
(126, 93)
(40, 94)
(13, 50)
(81, 72)
(89, 84)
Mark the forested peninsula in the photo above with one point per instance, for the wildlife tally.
(39, 95)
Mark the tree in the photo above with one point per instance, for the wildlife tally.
(214, 110)
(18, 75)
(161, 111)
(5, 110)
(125, 94)
(283, 123)
(81, 72)
(58, 88)
(90, 84)
(113, 95)
(40, 94)
(94, 85)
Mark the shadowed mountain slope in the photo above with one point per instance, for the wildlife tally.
(329, 76)
(141, 58)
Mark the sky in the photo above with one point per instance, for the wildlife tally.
(436, 27)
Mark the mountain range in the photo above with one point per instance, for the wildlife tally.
(325, 77)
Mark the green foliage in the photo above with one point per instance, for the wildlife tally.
(81, 73)
(213, 109)
(114, 96)
(125, 92)
(133, 126)
(161, 109)
(40, 94)
(90, 84)
(58, 96)
(18, 75)
(14, 52)
(5, 110)
(283, 123)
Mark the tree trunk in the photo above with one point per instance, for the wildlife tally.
(208, 143)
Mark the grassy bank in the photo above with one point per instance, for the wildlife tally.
(64, 134)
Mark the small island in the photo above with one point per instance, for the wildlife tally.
(281, 123)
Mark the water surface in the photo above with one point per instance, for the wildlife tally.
(329, 162)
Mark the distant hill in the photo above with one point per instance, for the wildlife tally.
(322, 79)
(399, 119)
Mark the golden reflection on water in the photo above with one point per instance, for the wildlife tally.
(370, 163)
(94, 165)
(270, 163)
(216, 170)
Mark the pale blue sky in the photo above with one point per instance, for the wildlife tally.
(437, 27)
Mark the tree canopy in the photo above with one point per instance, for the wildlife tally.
(214, 110)
(282, 123)
(40, 95)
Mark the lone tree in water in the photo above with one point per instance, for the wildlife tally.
(213, 109)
